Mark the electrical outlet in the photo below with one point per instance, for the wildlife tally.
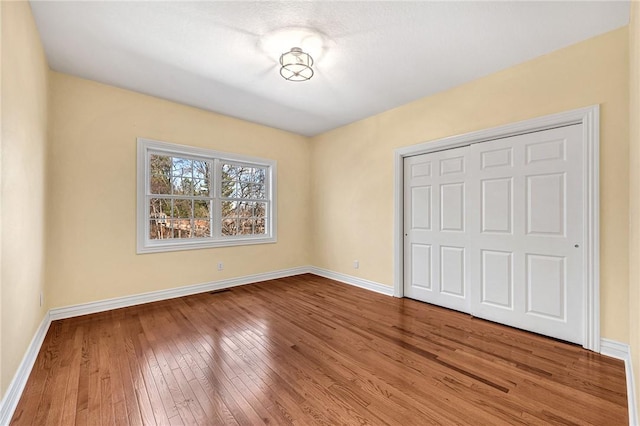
(220, 266)
(356, 264)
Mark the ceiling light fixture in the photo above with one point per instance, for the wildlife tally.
(296, 65)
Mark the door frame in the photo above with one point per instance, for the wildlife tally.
(589, 117)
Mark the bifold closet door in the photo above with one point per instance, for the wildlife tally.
(435, 220)
(525, 242)
(495, 230)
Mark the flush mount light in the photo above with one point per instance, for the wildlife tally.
(296, 65)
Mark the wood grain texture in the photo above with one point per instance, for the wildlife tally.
(308, 350)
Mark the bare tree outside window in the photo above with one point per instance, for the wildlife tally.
(183, 204)
(244, 196)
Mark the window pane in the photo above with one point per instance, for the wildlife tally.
(259, 176)
(230, 172)
(229, 227)
(159, 208)
(190, 187)
(260, 210)
(257, 191)
(260, 226)
(202, 228)
(176, 185)
(229, 209)
(182, 209)
(201, 209)
(201, 187)
(245, 190)
(201, 169)
(186, 186)
(245, 174)
(160, 185)
(245, 209)
(230, 189)
(160, 170)
(181, 228)
(159, 229)
(182, 167)
(246, 227)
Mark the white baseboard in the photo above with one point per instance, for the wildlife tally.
(622, 351)
(154, 296)
(14, 391)
(355, 281)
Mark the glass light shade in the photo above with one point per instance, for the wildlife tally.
(296, 65)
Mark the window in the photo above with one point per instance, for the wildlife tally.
(192, 198)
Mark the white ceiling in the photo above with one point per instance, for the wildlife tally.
(223, 56)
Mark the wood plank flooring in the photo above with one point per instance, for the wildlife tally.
(308, 350)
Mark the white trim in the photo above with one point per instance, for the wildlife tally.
(351, 280)
(589, 117)
(16, 387)
(614, 349)
(623, 351)
(398, 225)
(154, 296)
(591, 158)
(146, 245)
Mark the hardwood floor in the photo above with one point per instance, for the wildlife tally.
(307, 350)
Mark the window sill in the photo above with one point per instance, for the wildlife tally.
(161, 247)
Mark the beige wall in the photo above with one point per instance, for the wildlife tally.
(24, 145)
(352, 168)
(634, 191)
(92, 229)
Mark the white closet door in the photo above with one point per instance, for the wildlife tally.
(436, 254)
(525, 250)
(495, 230)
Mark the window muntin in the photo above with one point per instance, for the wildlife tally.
(195, 198)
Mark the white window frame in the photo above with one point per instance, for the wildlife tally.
(146, 147)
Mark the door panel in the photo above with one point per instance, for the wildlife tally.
(545, 150)
(435, 224)
(502, 157)
(546, 204)
(535, 221)
(421, 207)
(497, 201)
(497, 278)
(421, 266)
(452, 266)
(453, 165)
(452, 207)
(546, 287)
